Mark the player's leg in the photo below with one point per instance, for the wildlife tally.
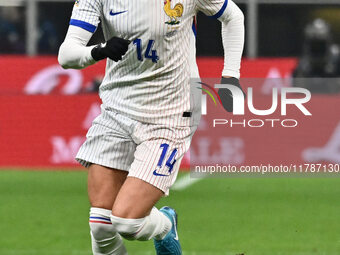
(107, 144)
(135, 217)
(153, 171)
(103, 187)
(134, 214)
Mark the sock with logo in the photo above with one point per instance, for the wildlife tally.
(105, 240)
(155, 225)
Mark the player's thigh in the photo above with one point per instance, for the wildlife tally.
(103, 185)
(158, 155)
(108, 142)
(156, 163)
(136, 199)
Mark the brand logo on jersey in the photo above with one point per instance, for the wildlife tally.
(76, 3)
(116, 13)
(174, 13)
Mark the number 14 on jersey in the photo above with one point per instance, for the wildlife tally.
(149, 53)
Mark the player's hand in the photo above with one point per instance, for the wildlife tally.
(115, 49)
(225, 94)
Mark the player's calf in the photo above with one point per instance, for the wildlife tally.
(105, 239)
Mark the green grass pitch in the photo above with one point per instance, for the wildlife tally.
(46, 213)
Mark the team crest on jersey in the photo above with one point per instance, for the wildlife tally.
(174, 13)
(76, 3)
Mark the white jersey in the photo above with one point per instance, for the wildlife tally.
(152, 82)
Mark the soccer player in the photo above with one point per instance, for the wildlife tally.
(134, 148)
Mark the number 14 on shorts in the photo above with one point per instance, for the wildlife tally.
(170, 162)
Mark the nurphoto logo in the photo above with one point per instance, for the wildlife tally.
(281, 99)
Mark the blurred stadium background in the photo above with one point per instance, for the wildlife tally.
(45, 112)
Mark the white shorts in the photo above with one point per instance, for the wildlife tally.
(149, 152)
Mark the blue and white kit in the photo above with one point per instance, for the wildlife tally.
(148, 116)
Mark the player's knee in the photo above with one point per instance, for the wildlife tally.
(100, 224)
(128, 228)
(101, 231)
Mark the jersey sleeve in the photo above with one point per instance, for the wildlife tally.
(212, 8)
(86, 14)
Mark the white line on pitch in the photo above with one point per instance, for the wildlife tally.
(185, 182)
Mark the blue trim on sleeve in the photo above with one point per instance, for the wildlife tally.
(87, 26)
(220, 13)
